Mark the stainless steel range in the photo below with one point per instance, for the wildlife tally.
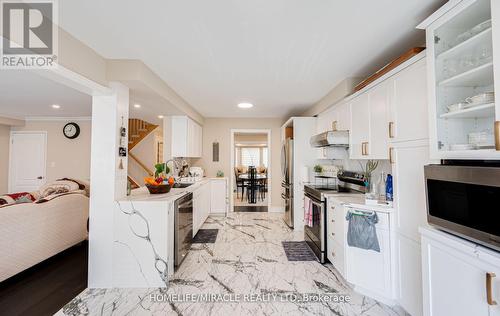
(315, 230)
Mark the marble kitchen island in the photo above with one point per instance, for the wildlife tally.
(143, 248)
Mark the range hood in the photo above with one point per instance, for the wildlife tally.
(331, 139)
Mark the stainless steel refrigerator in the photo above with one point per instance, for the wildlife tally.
(287, 175)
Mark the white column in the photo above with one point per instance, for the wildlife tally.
(108, 182)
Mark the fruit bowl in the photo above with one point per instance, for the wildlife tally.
(158, 189)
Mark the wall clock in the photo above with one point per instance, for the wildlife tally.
(71, 130)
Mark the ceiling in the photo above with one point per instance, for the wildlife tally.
(26, 94)
(281, 55)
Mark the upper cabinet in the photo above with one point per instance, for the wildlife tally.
(462, 49)
(407, 108)
(368, 134)
(337, 118)
(187, 137)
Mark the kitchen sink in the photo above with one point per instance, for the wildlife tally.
(180, 185)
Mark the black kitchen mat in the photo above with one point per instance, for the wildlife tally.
(247, 208)
(206, 236)
(298, 251)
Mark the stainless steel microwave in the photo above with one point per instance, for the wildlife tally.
(465, 201)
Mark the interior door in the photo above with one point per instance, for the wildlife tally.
(27, 167)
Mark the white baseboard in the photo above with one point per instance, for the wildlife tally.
(277, 209)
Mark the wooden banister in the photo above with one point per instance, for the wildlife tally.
(142, 165)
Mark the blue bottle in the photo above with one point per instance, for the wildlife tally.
(388, 188)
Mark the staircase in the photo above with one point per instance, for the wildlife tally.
(137, 131)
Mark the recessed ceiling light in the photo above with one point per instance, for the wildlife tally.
(160, 116)
(137, 106)
(245, 105)
(56, 106)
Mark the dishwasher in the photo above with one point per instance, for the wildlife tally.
(183, 227)
(372, 272)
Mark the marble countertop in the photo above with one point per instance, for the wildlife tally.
(142, 194)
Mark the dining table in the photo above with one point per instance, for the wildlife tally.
(258, 177)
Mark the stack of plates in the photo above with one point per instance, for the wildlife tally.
(483, 98)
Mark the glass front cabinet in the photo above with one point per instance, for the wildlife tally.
(463, 53)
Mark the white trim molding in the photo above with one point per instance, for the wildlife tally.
(269, 167)
(57, 118)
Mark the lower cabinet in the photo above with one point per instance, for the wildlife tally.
(335, 234)
(219, 196)
(201, 206)
(459, 277)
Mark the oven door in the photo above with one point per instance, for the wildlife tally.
(464, 200)
(315, 235)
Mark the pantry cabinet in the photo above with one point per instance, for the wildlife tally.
(460, 278)
(462, 61)
(186, 137)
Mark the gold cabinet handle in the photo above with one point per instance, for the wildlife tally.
(362, 149)
(489, 288)
(391, 129)
(497, 135)
(391, 159)
(365, 147)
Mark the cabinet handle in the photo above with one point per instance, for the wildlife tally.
(391, 128)
(333, 234)
(489, 290)
(333, 254)
(364, 148)
(497, 135)
(391, 159)
(333, 221)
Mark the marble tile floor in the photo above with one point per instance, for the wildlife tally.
(247, 258)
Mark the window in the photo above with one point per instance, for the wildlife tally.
(250, 156)
(264, 157)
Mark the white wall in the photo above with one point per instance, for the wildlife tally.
(219, 130)
(4, 158)
(65, 157)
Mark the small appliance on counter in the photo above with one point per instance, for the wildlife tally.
(196, 172)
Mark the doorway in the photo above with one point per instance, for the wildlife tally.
(251, 170)
(27, 161)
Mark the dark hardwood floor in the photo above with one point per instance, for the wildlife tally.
(47, 287)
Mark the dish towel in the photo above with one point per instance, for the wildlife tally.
(308, 212)
(362, 232)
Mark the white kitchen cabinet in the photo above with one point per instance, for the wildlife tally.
(186, 137)
(408, 160)
(454, 276)
(335, 233)
(219, 196)
(201, 205)
(369, 123)
(463, 53)
(407, 109)
(360, 126)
